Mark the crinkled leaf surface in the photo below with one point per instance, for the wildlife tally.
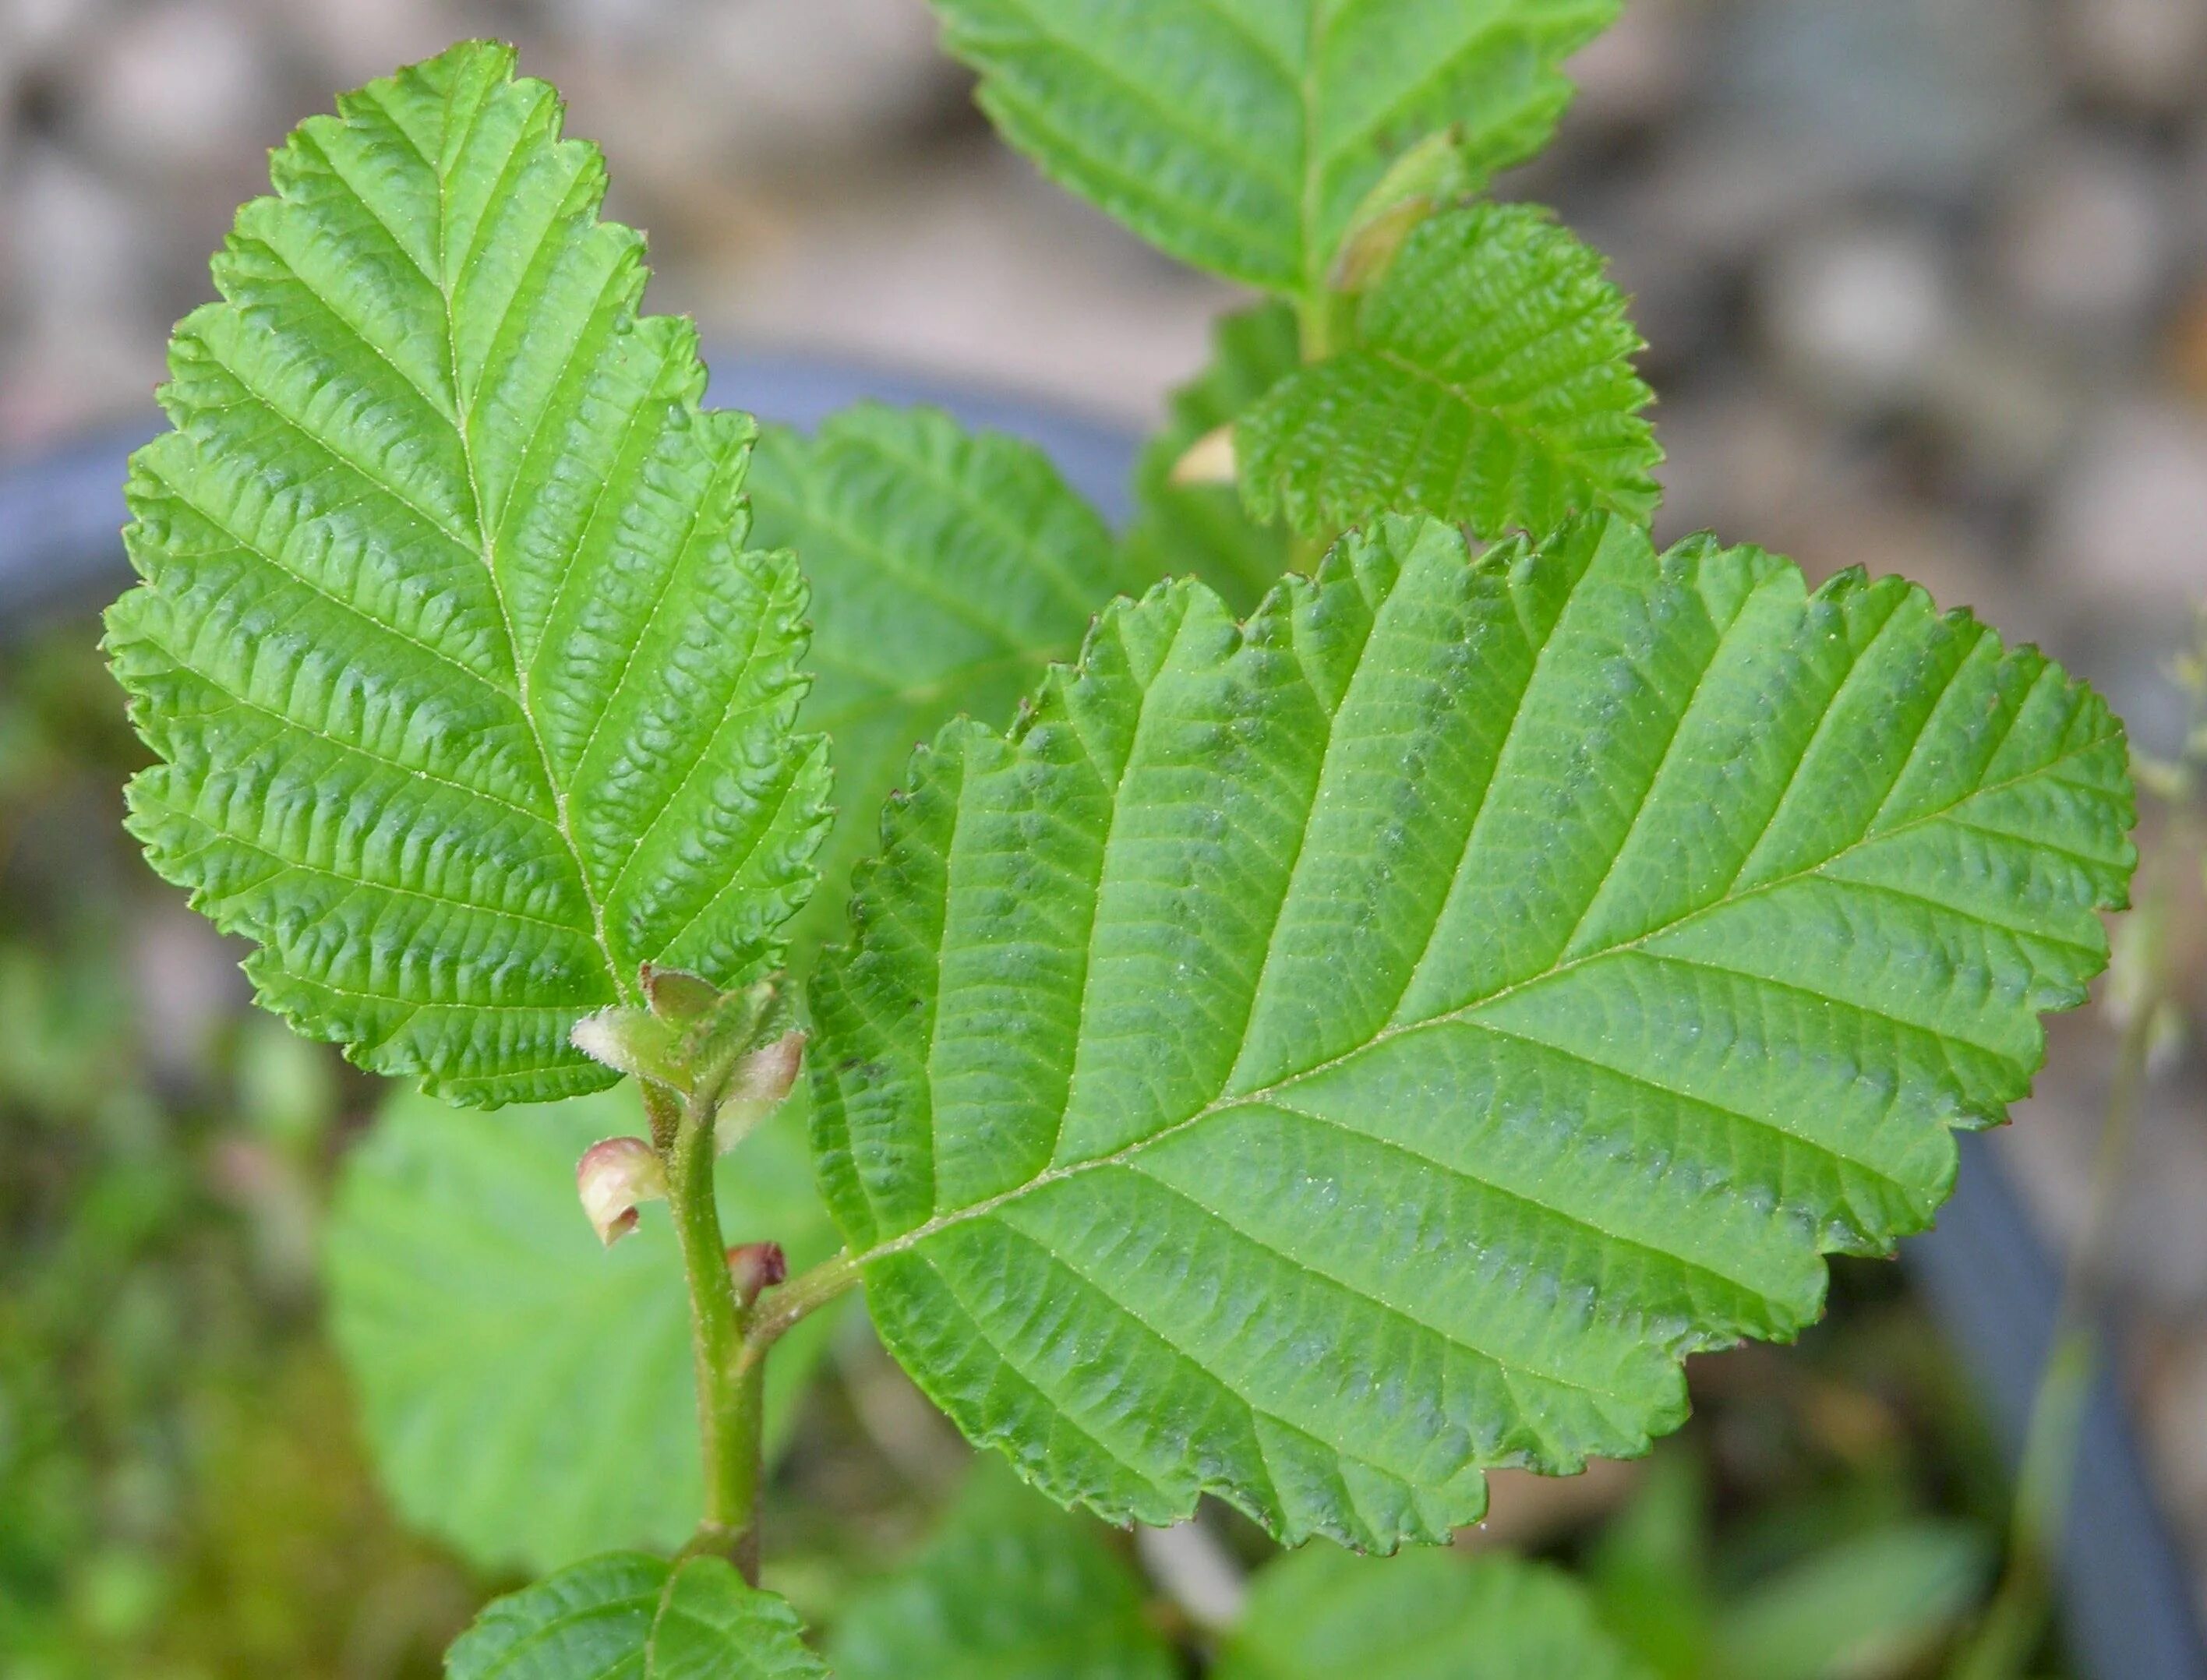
(1241, 135)
(1491, 385)
(1011, 1587)
(947, 568)
(627, 1616)
(1322, 1613)
(1202, 530)
(1314, 1061)
(526, 1394)
(467, 695)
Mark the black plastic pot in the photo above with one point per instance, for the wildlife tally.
(2125, 1590)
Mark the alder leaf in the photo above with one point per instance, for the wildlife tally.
(947, 568)
(1202, 530)
(627, 1616)
(526, 1394)
(1492, 384)
(1242, 136)
(1321, 1613)
(1315, 1062)
(1010, 1588)
(468, 698)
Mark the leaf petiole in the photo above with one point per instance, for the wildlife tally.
(802, 1296)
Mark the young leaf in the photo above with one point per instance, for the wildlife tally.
(1012, 1588)
(467, 696)
(947, 568)
(627, 1616)
(1311, 1063)
(1202, 530)
(1322, 1612)
(526, 1393)
(1491, 386)
(1242, 136)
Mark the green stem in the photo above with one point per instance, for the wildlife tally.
(1318, 317)
(1319, 323)
(730, 1395)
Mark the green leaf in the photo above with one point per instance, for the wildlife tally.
(1242, 136)
(1011, 1587)
(627, 1616)
(1202, 530)
(1322, 1613)
(1492, 384)
(947, 568)
(468, 698)
(1874, 1605)
(1313, 1062)
(526, 1394)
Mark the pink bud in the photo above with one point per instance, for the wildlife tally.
(611, 1178)
(753, 1267)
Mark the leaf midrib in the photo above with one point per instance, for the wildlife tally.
(1222, 1104)
(1551, 437)
(462, 413)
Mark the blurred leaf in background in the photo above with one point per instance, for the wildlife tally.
(1010, 1586)
(528, 1393)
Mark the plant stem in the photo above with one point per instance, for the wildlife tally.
(1318, 332)
(730, 1395)
(1318, 320)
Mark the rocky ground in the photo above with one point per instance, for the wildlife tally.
(1926, 282)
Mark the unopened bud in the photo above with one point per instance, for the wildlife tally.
(631, 1041)
(675, 994)
(612, 1178)
(761, 1082)
(753, 1267)
(1430, 175)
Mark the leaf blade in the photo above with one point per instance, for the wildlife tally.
(1202, 530)
(468, 697)
(629, 1617)
(1241, 135)
(1317, 986)
(948, 567)
(1009, 1586)
(527, 1395)
(1425, 1616)
(1491, 386)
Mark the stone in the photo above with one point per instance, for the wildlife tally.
(2082, 240)
(2000, 409)
(2127, 512)
(1641, 68)
(82, 328)
(2147, 56)
(1859, 313)
(170, 91)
